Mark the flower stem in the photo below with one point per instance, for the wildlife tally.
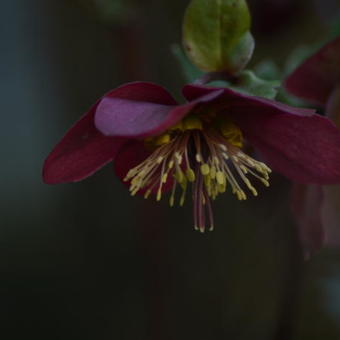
(212, 76)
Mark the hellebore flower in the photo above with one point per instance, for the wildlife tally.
(159, 145)
(317, 208)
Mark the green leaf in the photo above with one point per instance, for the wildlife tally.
(297, 56)
(216, 35)
(268, 70)
(249, 83)
(190, 72)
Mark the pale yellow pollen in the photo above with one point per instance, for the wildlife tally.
(225, 155)
(207, 182)
(241, 195)
(184, 191)
(232, 133)
(205, 169)
(251, 163)
(179, 158)
(163, 139)
(205, 159)
(190, 175)
(220, 177)
(223, 147)
(212, 172)
(198, 158)
(266, 168)
(244, 169)
(192, 123)
(222, 188)
(235, 159)
(216, 160)
(266, 183)
(159, 194)
(173, 192)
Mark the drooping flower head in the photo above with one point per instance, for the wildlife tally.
(316, 208)
(162, 147)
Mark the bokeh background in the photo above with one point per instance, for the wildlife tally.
(87, 261)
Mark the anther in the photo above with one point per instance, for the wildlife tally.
(164, 178)
(265, 182)
(147, 193)
(198, 158)
(205, 169)
(190, 175)
(159, 194)
(223, 147)
(179, 176)
(179, 158)
(212, 172)
(220, 177)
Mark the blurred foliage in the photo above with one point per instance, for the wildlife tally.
(111, 12)
(335, 29)
(250, 83)
(190, 72)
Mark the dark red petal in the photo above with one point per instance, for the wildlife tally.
(141, 91)
(81, 152)
(301, 145)
(139, 110)
(306, 206)
(333, 106)
(305, 149)
(131, 155)
(229, 99)
(315, 78)
(316, 210)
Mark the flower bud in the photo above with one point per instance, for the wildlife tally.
(216, 35)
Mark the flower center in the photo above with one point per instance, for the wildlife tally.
(206, 155)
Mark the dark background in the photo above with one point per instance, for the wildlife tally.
(87, 261)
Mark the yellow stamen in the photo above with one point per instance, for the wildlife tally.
(213, 172)
(220, 177)
(205, 169)
(204, 158)
(232, 133)
(163, 139)
(190, 175)
(192, 123)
